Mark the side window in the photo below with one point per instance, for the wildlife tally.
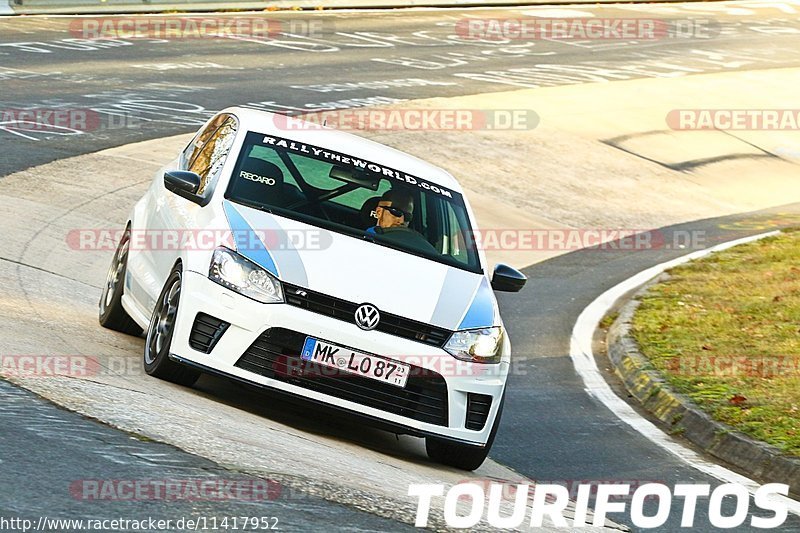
(208, 161)
(190, 152)
(454, 243)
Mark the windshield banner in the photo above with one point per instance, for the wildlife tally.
(352, 162)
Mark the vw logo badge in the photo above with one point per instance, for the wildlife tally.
(367, 317)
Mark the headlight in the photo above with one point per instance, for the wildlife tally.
(239, 274)
(476, 345)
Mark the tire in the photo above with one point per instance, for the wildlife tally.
(159, 336)
(111, 313)
(462, 456)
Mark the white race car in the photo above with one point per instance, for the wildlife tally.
(321, 265)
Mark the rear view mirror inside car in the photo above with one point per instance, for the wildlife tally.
(357, 177)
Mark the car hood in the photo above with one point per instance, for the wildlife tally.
(363, 272)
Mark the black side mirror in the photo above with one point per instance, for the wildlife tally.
(183, 183)
(507, 279)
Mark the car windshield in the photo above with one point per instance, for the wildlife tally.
(354, 196)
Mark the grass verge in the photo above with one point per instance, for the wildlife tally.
(725, 331)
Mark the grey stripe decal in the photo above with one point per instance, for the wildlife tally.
(280, 248)
(456, 295)
(481, 314)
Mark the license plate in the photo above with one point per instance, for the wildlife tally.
(360, 364)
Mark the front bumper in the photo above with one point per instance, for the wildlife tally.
(251, 322)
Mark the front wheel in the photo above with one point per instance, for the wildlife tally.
(159, 336)
(462, 456)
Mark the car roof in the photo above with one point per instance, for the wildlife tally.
(346, 143)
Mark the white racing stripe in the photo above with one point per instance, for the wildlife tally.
(580, 350)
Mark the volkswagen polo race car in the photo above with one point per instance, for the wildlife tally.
(257, 254)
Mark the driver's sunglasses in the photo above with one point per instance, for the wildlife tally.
(397, 212)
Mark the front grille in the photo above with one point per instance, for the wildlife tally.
(206, 332)
(276, 354)
(478, 406)
(343, 310)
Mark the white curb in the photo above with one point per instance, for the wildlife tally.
(580, 350)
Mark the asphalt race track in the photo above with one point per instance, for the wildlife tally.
(152, 88)
(95, 452)
(42, 64)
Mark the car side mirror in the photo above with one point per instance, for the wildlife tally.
(183, 183)
(508, 279)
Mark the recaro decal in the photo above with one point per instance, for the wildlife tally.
(266, 180)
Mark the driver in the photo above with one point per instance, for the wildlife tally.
(395, 209)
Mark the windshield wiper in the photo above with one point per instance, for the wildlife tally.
(371, 237)
(253, 205)
(443, 259)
